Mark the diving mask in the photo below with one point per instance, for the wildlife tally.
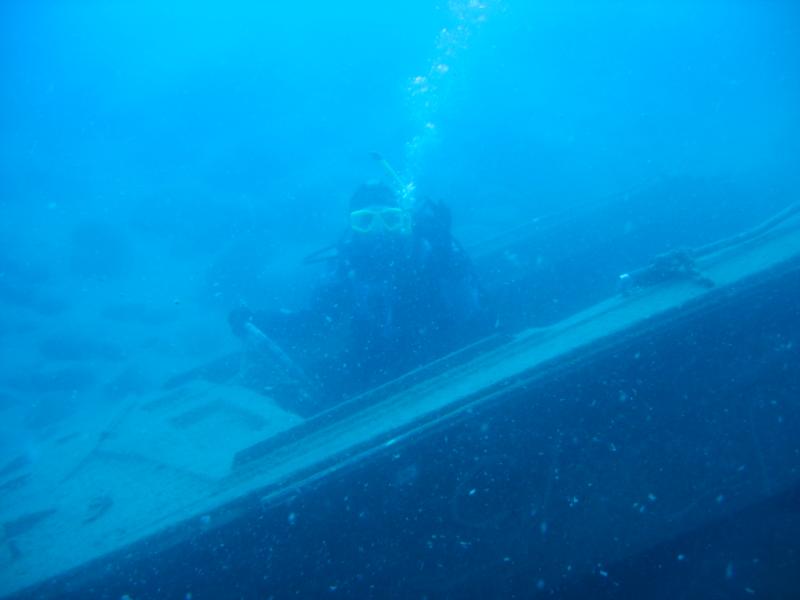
(380, 218)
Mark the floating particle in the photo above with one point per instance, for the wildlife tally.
(292, 518)
(540, 585)
(681, 557)
(729, 571)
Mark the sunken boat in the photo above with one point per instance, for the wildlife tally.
(554, 456)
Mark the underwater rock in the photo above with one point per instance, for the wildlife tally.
(34, 299)
(68, 347)
(14, 294)
(40, 418)
(25, 523)
(64, 439)
(99, 251)
(219, 370)
(14, 483)
(49, 305)
(71, 379)
(131, 382)
(13, 550)
(239, 272)
(23, 273)
(22, 284)
(133, 312)
(47, 410)
(6, 401)
(14, 465)
(98, 506)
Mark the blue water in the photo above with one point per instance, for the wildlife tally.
(162, 163)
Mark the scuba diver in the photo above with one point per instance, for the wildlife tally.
(399, 292)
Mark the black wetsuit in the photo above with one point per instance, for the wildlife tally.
(387, 305)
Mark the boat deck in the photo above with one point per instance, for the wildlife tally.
(143, 482)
